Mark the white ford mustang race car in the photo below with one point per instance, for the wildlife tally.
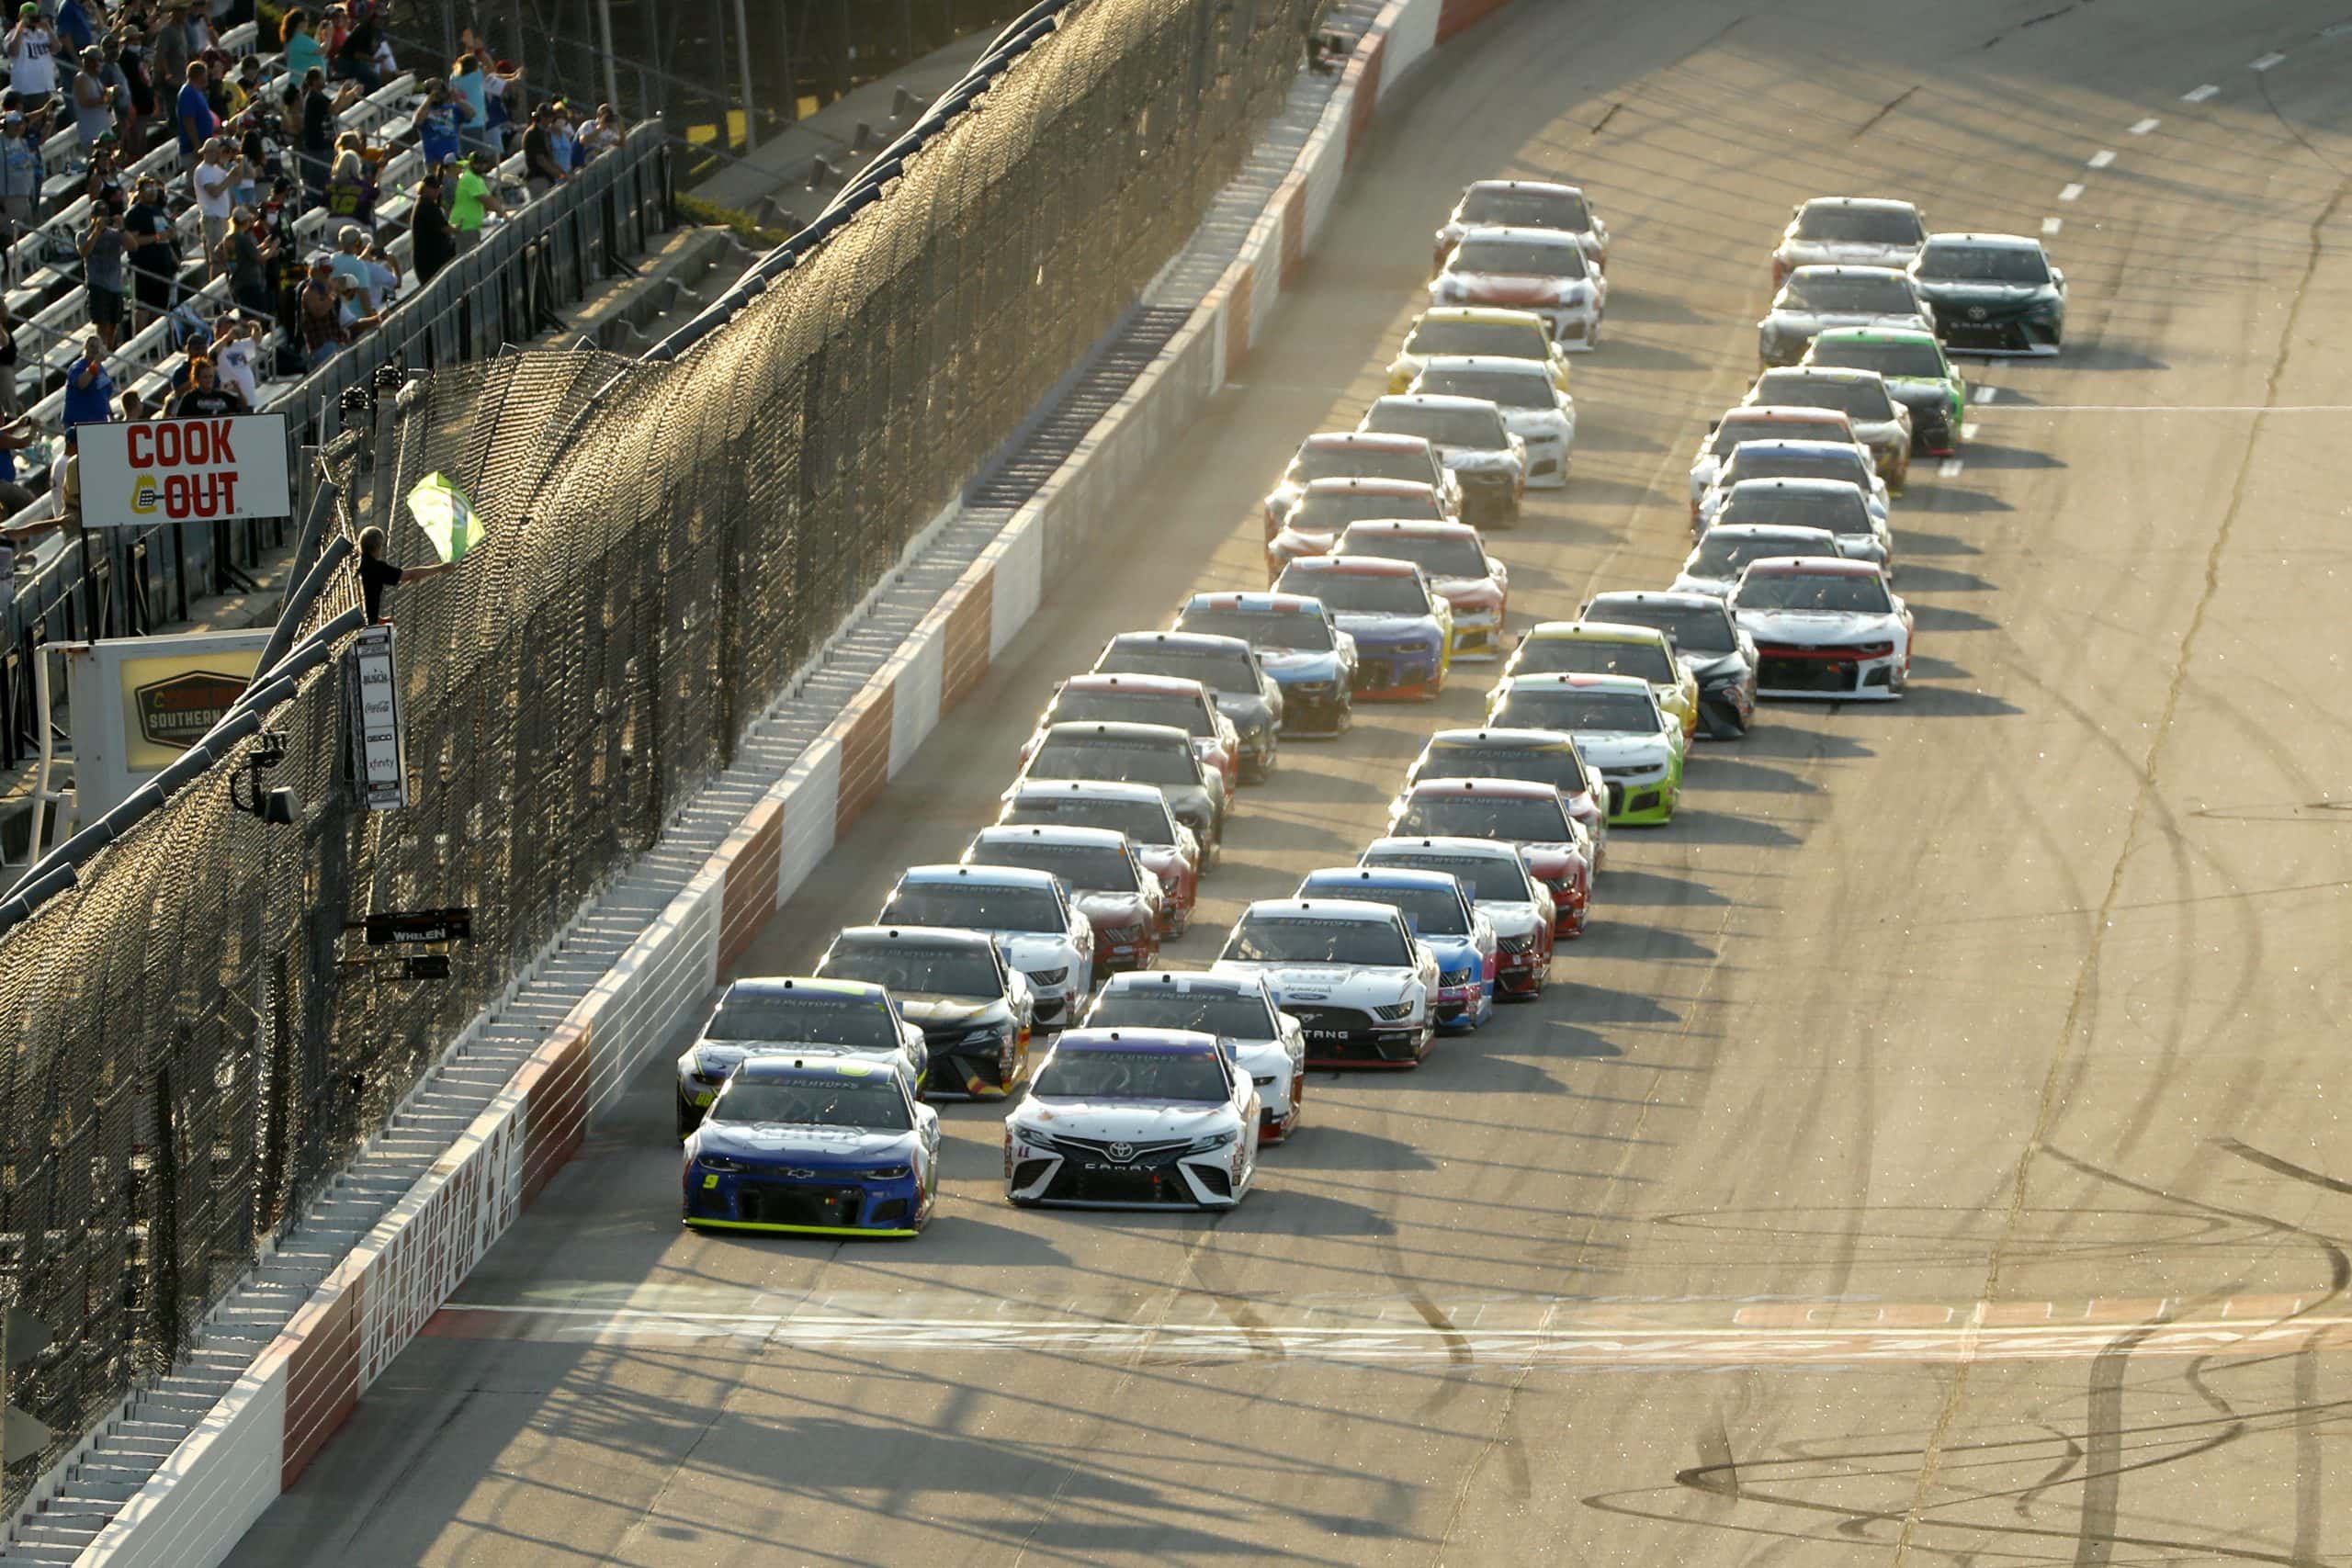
(1849, 231)
(1362, 987)
(1134, 1118)
(1239, 1011)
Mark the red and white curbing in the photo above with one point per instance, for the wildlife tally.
(258, 1440)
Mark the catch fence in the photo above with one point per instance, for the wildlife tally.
(199, 1043)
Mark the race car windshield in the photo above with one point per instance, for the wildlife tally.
(1294, 630)
(1120, 761)
(1519, 258)
(1308, 938)
(1582, 656)
(1235, 1015)
(1754, 461)
(1362, 593)
(1492, 881)
(813, 1017)
(1693, 631)
(1850, 296)
(936, 969)
(1794, 591)
(1431, 910)
(1572, 710)
(1333, 509)
(1212, 668)
(876, 1103)
(1456, 557)
(1719, 555)
(1481, 430)
(1507, 340)
(1141, 822)
(1855, 400)
(1732, 432)
(1983, 264)
(1526, 209)
(1090, 1072)
(976, 906)
(1861, 225)
(1918, 359)
(1846, 514)
(1362, 463)
(1092, 866)
(1536, 765)
(1507, 387)
(1516, 821)
(1176, 709)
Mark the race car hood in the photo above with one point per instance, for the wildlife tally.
(1721, 668)
(1245, 708)
(1128, 1120)
(723, 1056)
(1345, 984)
(1479, 459)
(1845, 253)
(1371, 631)
(1552, 863)
(1113, 909)
(1454, 953)
(1540, 424)
(1819, 628)
(1512, 919)
(1806, 323)
(1509, 288)
(1713, 587)
(818, 1148)
(1292, 543)
(931, 1012)
(1916, 392)
(1610, 749)
(1033, 950)
(2001, 297)
(1470, 593)
(1293, 666)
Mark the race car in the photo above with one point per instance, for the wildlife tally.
(1824, 628)
(1740, 426)
(1471, 440)
(1361, 986)
(1453, 557)
(1602, 648)
(1440, 914)
(1538, 270)
(765, 1015)
(1300, 644)
(1620, 732)
(1848, 231)
(814, 1146)
(1138, 812)
(1239, 1010)
(1535, 410)
(1545, 756)
(1880, 423)
(1774, 459)
(1156, 754)
(1353, 455)
(1526, 814)
(1028, 914)
(1993, 293)
(1523, 203)
(1227, 666)
(1403, 628)
(1106, 879)
(1917, 373)
(1480, 330)
(1714, 565)
(1134, 1118)
(975, 1010)
(1502, 889)
(1815, 298)
(1326, 506)
(1708, 643)
(1838, 505)
(1147, 699)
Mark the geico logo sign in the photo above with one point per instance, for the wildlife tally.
(183, 468)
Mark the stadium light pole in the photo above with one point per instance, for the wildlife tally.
(743, 62)
(604, 37)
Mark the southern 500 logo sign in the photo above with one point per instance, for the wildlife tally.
(184, 470)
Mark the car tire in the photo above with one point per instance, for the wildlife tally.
(689, 1118)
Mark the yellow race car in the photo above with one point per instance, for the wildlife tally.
(1475, 329)
(1612, 647)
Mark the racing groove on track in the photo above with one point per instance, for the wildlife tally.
(2018, 996)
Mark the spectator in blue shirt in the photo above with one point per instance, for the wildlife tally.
(74, 26)
(89, 390)
(438, 121)
(472, 88)
(194, 114)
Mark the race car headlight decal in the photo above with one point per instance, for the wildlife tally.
(1456, 977)
(1392, 1011)
(1124, 936)
(1050, 977)
(1264, 1082)
(719, 1162)
(1517, 944)
(1214, 1140)
(887, 1172)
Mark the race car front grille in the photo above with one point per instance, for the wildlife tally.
(780, 1204)
(1116, 1152)
(1616, 798)
(1100, 1181)
(1808, 670)
(1375, 674)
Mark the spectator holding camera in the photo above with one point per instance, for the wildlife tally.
(103, 250)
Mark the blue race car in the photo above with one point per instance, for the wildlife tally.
(814, 1146)
(1403, 627)
(1299, 643)
(1443, 915)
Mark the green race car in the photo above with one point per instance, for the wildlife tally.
(1917, 373)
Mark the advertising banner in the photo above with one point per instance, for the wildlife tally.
(141, 472)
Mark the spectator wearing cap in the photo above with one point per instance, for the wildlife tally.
(541, 170)
(19, 178)
(32, 54)
(89, 389)
(103, 249)
(154, 252)
(473, 202)
(350, 265)
(602, 134)
(320, 313)
(215, 179)
(433, 239)
(437, 122)
(245, 255)
(193, 113)
(562, 140)
(93, 101)
(236, 350)
(351, 182)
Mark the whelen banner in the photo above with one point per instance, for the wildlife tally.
(139, 472)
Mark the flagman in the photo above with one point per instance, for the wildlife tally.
(376, 573)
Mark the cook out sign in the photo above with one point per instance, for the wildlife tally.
(142, 472)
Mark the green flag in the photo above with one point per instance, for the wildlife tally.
(448, 518)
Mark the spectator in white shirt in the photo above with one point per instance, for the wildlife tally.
(215, 178)
(235, 346)
(32, 54)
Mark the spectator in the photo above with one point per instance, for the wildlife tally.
(383, 272)
(89, 389)
(602, 134)
(236, 351)
(126, 74)
(298, 38)
(249, 82)
(103, 249)
(252, 167)
(334, 29)
(320, 313)
(362, 48)
(474, 201)
(432, 238)
(220, 89)
(12, 402)
(15, 436)
(376, 573)
(32, 54)
(215, 179)
(19, 180)
(205, 398)
(155, 252)
(73, 29)
(471, 85)
(93, 101)
(103, 182)
(134, 407)
(319, 109)
(541, 173)
(351, 181)
(245, 255)
(65, 487)
(437, 122)
(563, 140)
(351, 266)
(288, 270)
(173, 48)
(193, 113)
(499, 94)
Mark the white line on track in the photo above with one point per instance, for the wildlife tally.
(1984, 394)
(2102, 159)
(2266, 61)
(1968, 431)
(2178, 408)
(2198, 94)
(1949, 469)
(2051, 225)
(2144, 127)
(2069, 192)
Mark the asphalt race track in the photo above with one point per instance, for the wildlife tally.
(1930, 1157)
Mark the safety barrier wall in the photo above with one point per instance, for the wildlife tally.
(274, 1422)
